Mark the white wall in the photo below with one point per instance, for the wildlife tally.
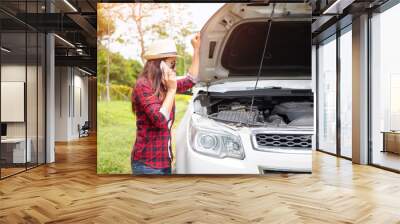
(62, 81)
(12, 73)
(33, 126)
(81, 102)
(16, 73)
(71, 94)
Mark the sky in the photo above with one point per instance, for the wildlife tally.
(200, 13)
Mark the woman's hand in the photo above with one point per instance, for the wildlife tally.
(194, 68)
(170, 80)
(168, 77)
(196, 41)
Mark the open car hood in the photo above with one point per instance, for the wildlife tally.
(233, 41)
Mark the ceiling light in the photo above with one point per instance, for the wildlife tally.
(337, 7)
(80, 51)
(5, 50)
(64, 40)
(84, 71)
(70, 5)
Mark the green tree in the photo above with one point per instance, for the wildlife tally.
(105, 24)
(143, 28)
(170, 25)
(105, 29)
(121, 72)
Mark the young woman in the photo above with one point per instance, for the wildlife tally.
(153, 102)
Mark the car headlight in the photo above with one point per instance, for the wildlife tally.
(212, 140)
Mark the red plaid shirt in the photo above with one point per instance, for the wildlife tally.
(153, 133)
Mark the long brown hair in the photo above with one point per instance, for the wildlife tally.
(152, 72)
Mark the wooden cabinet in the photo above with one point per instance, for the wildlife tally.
(391, 142)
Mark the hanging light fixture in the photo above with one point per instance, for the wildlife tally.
(70, 5)
(5, 50)
(65, 41)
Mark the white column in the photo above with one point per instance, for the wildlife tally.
(360, 90)
(50, 92)
(50, 100)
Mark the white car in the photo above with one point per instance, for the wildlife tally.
(230, 126)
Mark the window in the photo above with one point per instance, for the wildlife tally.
(346, 94)
(23, 77)
(385, 87)
(327, 96)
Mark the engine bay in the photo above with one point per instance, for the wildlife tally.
(266, 111)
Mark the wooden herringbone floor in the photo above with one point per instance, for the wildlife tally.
(69, 191)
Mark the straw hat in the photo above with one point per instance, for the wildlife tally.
(163, 48)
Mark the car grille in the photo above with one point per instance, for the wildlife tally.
(284, 140)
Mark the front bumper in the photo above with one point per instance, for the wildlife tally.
(255, 161)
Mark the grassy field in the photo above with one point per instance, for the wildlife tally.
(116, 134)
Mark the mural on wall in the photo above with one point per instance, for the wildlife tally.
(204, 88)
